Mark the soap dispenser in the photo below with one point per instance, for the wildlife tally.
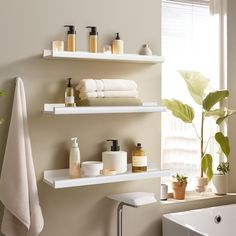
(69, 94)
(117, 45)
(74, 169)
(114, 160)
(93, 39)
(71, 33)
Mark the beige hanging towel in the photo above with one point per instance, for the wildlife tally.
(18, 187)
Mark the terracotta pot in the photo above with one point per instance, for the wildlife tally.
(220, 184)
(178, 190)
(201, 184)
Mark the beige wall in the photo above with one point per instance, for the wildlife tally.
(27, 28)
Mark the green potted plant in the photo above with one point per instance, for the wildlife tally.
(179, 184)
(220, 180)
(197, 85)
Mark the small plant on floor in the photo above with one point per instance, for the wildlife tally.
(197, 85)
(223, 168)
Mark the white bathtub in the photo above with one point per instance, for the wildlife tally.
(213, 221)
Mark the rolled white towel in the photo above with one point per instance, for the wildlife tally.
(109, 94)
(90, 85)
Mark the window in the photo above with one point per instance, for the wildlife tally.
(190, 41)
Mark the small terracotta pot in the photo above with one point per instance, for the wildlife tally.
(178, 190)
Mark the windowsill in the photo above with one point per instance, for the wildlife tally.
(193, 196)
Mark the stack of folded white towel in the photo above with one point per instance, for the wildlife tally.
(107, 88)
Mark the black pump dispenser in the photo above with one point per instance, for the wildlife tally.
(117, 36)
(69, 82)
(71, 29)
(114, 146)
(93, 30)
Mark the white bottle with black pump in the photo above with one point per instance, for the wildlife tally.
(115, 160)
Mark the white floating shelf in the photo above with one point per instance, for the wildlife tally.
(135, 58)
(61, 179)
(60, 109)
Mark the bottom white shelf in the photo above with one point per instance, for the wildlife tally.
(60, 178)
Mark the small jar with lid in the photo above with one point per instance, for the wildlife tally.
(139, 159)
(145, 50)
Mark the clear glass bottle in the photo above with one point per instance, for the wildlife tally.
(139, 159)
(69, 95)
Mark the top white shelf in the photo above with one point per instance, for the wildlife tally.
(133, 58)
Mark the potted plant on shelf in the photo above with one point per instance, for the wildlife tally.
(197, 85)
(179, 184)
(220, 180)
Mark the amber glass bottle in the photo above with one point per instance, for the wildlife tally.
(139, 159)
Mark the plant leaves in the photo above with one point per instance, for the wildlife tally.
(196, 84)
(222, 118)
(179, 110)
(212, 98)
(206, 164)
(223, 142)
(216, 112)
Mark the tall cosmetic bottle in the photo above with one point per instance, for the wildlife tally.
(93, 39)
(71, 40)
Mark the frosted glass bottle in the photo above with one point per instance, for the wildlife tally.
(139, 159)
(74, 169)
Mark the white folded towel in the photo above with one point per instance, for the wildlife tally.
(18, 188)
(109, 94)
(91, 85)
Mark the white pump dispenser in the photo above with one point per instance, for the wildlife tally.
(74, 170)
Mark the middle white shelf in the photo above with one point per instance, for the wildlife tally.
(60, 109)
(60, 178)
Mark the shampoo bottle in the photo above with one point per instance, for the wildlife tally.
(93, 39)
(117, 45)
(71, 33)
(139, 159)
(114, 160)
(69, 94)
(74, 169)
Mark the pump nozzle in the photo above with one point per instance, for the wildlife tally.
(93, 30)
(69, 82)
(71, 29)
(117, 36)
(74, 142)
(114, 146)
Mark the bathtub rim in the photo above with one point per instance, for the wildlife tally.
(171, 216)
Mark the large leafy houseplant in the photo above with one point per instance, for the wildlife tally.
(198, 85)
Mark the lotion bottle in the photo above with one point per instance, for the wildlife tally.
(71, 40)
(114, 160)
(139, 159)
(69, 94)
(93, 39)
(117, 45)
(74, 169)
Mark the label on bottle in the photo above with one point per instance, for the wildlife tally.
(69, 99)
(139, 161)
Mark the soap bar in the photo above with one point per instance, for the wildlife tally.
(115, 160)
